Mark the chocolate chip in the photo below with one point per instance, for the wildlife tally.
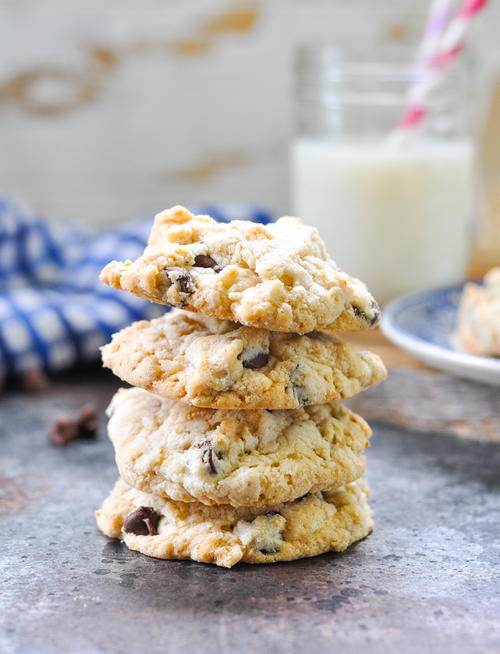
(371, 320)
(300, 394)
(35, 381)
(87, 422)
(142, 522)
(254, 363)
(360, 313)
(181, 278)
(271, 550)
(63, 431)
(84, 426)
(298, 389)
(209, 456)
(205, 261)
(184, 283)
(266, 545)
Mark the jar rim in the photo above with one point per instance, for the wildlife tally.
(325, 73)
(388, 63)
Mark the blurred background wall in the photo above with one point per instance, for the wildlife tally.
(113, 110)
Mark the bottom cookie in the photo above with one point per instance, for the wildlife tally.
(224, 535)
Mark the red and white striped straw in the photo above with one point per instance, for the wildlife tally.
(449, 46)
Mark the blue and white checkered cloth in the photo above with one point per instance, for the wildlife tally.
(54, 312)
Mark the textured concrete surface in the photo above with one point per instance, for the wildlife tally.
(425, 400)
(427, 579)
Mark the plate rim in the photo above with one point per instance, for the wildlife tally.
(408, 341)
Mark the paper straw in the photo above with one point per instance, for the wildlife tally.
(439, 16)
(449, 46)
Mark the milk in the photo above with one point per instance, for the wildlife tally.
(397, 217)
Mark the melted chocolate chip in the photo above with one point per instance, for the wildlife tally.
(300, 394)
(208, 459)
(184, 283)
(271, 550)
(298, 389)
(371, 320)
(181, 278)
(359, 313)
(209, 456)
(142, 522)
(205, 261)
(254, 363)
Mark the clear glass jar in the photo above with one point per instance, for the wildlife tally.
(397, 214)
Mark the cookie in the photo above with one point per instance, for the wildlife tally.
(276, 277)
(224, 535)
(478, 328)
(242, 458)
(223, 365)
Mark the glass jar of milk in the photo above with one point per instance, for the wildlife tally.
(397, 214)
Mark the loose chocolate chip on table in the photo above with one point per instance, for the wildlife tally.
(142, 522)
(254, 363)
(84, 426)
(87, 422)
(35, 381)
(205, 261)
(63, 431)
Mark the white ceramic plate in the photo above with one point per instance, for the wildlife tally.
(423, 325)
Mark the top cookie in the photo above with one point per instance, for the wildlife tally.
(277, 276)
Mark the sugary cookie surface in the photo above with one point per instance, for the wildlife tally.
(478, 329)
(224, 535)
(277, 276)
(242, 458)
(221, 364)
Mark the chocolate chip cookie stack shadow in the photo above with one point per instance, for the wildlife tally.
(232, 444)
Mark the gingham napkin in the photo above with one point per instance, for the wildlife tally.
(54, 312)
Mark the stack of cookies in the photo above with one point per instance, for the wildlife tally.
(232, 444)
